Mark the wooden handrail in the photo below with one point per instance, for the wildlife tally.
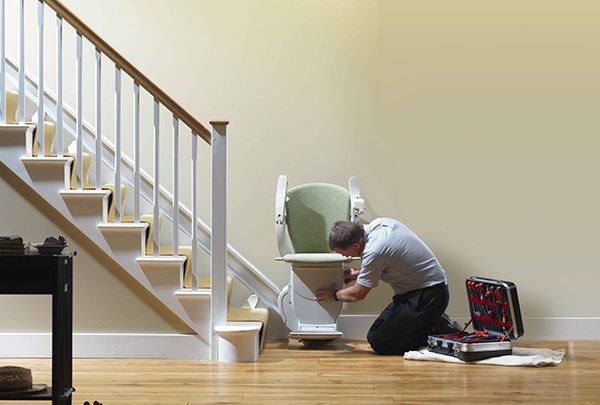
(122, 63)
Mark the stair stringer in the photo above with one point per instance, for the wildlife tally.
(13, 154)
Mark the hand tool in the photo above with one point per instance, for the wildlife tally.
(470, 294)
(494, 300)
(501, 303)
(476, 304)
(481, 290)
(489, 302)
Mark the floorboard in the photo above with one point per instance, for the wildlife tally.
(344, 372)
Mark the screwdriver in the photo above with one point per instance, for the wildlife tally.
(499, 296)
(494, 299)
(470, 293)
(488, 299)
(481, 289)
(478, 305)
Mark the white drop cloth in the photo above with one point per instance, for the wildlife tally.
(522, 356)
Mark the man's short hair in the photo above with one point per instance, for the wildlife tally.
(344, 234)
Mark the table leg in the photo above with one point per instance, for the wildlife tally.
(69, 330)
(59, 335)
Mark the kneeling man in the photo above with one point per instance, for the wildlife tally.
(393, 253)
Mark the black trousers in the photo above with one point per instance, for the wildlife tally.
(405, 323)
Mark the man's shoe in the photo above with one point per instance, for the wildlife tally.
(445, 326)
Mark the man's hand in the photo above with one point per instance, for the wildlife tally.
(355, 292)
(326, 294)
(350, 275)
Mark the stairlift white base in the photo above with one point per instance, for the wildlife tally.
(304, 331)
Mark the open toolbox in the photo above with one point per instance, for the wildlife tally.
(496, 319)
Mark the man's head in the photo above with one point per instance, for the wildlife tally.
(347, 238)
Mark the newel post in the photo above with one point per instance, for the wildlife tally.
(218, 248)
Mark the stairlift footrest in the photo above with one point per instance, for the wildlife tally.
(314, 335)
(316, 332)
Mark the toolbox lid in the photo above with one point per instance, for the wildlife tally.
(494, 306)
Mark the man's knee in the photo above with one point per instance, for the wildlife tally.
(396, 345)
(378, 345)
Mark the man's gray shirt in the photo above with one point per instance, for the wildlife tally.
(396, 255)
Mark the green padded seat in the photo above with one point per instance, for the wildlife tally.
(316, 258)
(311, 210)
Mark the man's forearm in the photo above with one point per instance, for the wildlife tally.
(347, 296)
(353, 293)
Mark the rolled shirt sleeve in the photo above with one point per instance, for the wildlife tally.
(370, 270)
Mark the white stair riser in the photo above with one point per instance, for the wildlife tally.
(12, 143)
(88, 210)
(198, 309)
(125, 243)
(49, 173)
(164, 279)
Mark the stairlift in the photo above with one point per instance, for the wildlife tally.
(305, 214)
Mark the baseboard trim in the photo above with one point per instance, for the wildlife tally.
(187, 346)
(356, 327)
(108, 345)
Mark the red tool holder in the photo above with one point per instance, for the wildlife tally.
(494, 306)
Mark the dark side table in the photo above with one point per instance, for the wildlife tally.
(46, 274)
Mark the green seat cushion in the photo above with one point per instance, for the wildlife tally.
(311, 211)
(315, 258)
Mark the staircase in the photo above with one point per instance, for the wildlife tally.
(89, 181)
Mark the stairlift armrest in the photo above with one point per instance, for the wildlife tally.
(358, 206)
(357, 203)
(280, 223)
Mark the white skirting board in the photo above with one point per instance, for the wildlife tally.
(186, 346)
(357, 326)
(108, 345)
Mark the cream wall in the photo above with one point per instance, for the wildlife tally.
(474, 123)
(489, 111)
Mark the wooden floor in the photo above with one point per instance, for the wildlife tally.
(342, 373)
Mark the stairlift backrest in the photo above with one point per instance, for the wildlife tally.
(311, 210)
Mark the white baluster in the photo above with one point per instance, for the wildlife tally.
(79, 130)
(117, 146)
(136, 151)
(175, 186)
(194, 224)
(156, 177)
(21, 106)
(40, 100)
(59, 89)
(98, 145)
(218, 240)
(3, 62)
